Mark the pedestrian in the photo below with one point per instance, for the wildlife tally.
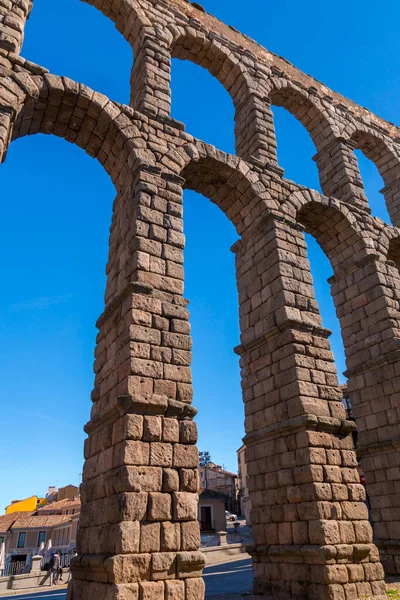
(60, 570)
(73, 556)
(54, 566)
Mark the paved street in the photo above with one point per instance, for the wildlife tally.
(221, 579)
(230, 577)
(46, 595)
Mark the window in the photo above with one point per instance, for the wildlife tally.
(41, 537)
(67, 538)
(62, 538)
(1, 540)
(21, 539)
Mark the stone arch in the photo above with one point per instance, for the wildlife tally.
(390, 243)
(305, 107)
(386, 157)
(127, 15)
(190, 44)
(222, 63)
(333, 225)
(376, 147)
(227, 181)
(86, 118)
(149, 41)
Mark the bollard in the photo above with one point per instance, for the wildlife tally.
(222, 538)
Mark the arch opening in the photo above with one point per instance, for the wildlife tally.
(228, 183)
(372, 181)
(295, 148)
(210, 285)
(202, 103)
(85, 47)
(304, 110)
(333, 245)
(56, 252)
(79, 115)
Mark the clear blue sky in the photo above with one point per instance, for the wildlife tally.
(56, 208)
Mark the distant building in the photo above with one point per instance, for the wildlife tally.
(24, 533)
(38, 523)
(34, 503)
(62, 507)
(244, 494)
(67, 493)
(28, 505)
(214, 477)
(212, 511)
(51, 495)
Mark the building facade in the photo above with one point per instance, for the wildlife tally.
(34, 503)
(69, 506)
(214, 477)
(26, 534)
(47, 527)
(27, 505)
(212, 511)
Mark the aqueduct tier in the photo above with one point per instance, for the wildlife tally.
(139, 535)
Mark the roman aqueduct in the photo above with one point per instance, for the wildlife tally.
(139, 535)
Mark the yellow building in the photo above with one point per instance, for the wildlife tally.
(28, 505)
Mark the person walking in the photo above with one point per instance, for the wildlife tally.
(54, 566)
(70, 574)
(60, 570)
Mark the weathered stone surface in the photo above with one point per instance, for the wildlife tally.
(150, 537)
(170, 537)
(190, 535)
(190, 564)
(170, 480)
(185, 506)
(152, 429)
(132, 567)
(195, 588)
(151, 590)
(174, 590)
(160, 507)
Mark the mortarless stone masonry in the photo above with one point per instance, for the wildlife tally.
(139, 535)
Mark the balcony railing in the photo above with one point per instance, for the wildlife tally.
(14, 568)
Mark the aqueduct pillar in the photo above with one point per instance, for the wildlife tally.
(366, 296)
(139, 533)
(310, 522)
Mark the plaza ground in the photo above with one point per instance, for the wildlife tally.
(228, 578)
(229, 581)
